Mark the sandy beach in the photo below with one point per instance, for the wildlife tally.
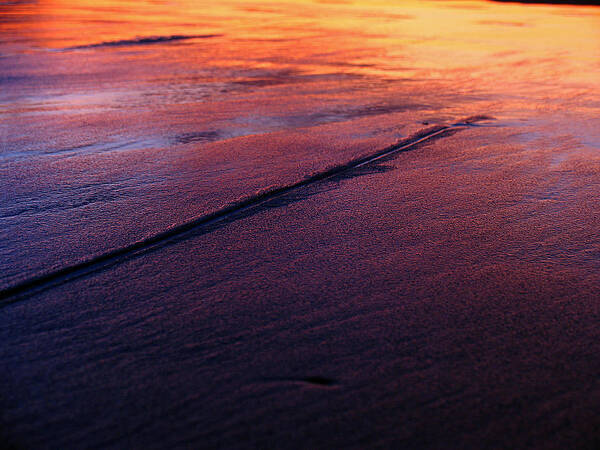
(301, 224)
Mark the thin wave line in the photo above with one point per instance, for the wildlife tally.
(142, 41)
(62, 275)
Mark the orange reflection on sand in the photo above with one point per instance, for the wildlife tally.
(508, 50)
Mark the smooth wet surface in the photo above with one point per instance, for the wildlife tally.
(113, 134)
(446, 296)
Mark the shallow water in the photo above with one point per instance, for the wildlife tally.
(446, 293)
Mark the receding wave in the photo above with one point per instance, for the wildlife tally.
(227, 214)
(143, 41)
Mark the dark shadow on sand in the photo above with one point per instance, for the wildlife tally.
(143, 41)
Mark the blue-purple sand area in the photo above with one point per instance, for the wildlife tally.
(301, 224)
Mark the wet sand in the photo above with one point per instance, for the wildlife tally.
(219, 236)
(396, 306)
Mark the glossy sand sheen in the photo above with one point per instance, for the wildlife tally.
(443, 296)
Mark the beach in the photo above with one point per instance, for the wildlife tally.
(299, 225)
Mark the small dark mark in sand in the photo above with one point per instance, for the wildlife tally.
(200, 136)
(319, 381)
(312, 380)
(473, 121)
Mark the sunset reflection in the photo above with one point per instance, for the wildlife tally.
(299, 224)
(467, 47)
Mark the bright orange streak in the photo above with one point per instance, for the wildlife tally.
(509, 49)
